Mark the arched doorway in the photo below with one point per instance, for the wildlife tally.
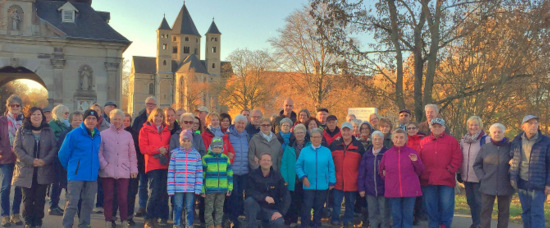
(25, 83)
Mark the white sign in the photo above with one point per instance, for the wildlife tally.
(362, 113)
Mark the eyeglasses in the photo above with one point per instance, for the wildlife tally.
(412, 128)
(187, 122)
(66, 113)
(265, 125)
(15, 105)
(151, 104)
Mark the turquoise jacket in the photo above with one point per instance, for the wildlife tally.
(288, 165)
(317, 165)
(79, 154)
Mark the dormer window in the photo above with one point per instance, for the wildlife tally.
(68, 12)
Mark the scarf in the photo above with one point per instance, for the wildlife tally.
(217, 131)
(473, 138)
(375, 152)
(267, 137)
(504, 140)
(14, 123)
(67, 123)
(286, 138)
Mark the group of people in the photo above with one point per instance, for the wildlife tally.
(271, 170)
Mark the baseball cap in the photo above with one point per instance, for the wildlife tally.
(331, 117)
(437, 121)
(529, 117)
(346, 124)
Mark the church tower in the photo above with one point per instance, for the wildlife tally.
(164, 77)
(186, 39)
(213, 41)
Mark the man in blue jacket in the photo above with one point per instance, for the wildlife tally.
(79, 156)
(530, 171)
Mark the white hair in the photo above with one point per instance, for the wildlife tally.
(315, 130)
(433, 106)
(377, 133)
(240, 118)
(499, 125)
(150, 97)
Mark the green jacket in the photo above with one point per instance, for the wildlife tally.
(57, 127)
(217, 172)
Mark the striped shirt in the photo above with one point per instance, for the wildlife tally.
(184, 171)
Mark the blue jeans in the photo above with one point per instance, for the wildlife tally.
(157, 205)
(440, 204)
(143, 194)
(179, 199)
(338, 196)
(234, 205)
(6, 172)
(313, 199)
(532, 205)
(473, 197)
(402, 210)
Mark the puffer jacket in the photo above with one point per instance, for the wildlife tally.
(469, 154)
(24, 148)
(401, 178)
(207, 137)
(198, 144)
(79, 154)
(57, 127)
(117, 154)
(414, 142)
(492, 168)
(347, 159)
(239, 142)
(316, 164)
(150, 140)
(370, 180)
(184, 171)
(217, 173)
(442, 158)
(539, 166)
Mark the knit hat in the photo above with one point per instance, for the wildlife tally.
(217, 142)
(90, 112)
(186, 134)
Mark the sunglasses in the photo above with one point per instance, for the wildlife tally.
(265, 125)
(15, 105)
(412, 128)
(187, 122)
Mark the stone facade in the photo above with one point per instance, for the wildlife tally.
(66, 46)
(176, 75)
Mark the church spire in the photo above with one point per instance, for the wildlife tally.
(164, 24)
(184, 23)
(213, 28)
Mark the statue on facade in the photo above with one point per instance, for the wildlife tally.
(16, 18)
(85, 78)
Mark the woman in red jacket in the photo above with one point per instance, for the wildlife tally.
(413, 136)
(213, 129)
(442, 157)
(154, 140)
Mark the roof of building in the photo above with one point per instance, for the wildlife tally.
(89, 24)
(192, 63)
(184, 23)
(164, 24)
(213, 29)
(144, 65)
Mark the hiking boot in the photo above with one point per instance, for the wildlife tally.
(15, 219)
(6, 221)
(98, 210)
(109, 224)
(131, 222)
(125, 224)
(56, 211)
(140, 212)
(162, 222)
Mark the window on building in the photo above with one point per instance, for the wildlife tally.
(213, 49)
(196, 51)
(164, 47)
(151, 89)
(186, 38)
(196, 40)
(164, 62)
(174, 38)
(175, 50)
(213, 65)
(216, 39)
(68, 16)
(186, 50)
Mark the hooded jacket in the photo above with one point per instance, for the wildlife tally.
(370, 180)
(117, 154)
(150, 140)
(401, 178)
(442, 158)
(207, 137)
(184, 171)
(239, 142)
(347, 159)
(79, 154)
(217, 173)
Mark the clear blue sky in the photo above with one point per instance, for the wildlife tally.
(243, 23)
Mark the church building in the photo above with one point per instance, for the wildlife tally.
(176, 75)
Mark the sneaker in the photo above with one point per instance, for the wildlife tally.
(109, 224)
(98, 210)
(15, 219)
(131, 222)
(163, 222)
(140, 212)
(56, 211)
(125, 224)
(176, 226)
(6, 221)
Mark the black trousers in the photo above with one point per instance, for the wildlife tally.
(34, 199)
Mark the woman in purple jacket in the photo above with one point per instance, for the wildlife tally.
(118, 163)
(371, 184)
(400, 168)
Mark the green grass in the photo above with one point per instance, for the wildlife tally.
(461, 207)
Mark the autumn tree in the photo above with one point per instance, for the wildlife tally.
(301, 51)
(248, 87)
